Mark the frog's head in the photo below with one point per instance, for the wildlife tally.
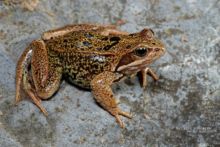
(143, 51)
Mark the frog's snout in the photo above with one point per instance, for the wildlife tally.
(161, 50)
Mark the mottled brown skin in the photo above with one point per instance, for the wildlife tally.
(90, 56)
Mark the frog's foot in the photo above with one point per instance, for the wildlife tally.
(104, 96)
(37, 102)
(116, 112)
(144, 76)
(37, 84)
(17, 98)
(29, 89)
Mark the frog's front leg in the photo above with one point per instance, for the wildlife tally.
(144, 73)
(104, 96)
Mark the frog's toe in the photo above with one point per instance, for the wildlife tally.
(37, 102)
(17, 99)
(118, 120)
(126, 114)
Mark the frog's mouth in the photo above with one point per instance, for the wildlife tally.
(134, 66)
(138, 65)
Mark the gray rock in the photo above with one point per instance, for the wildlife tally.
(181, 109)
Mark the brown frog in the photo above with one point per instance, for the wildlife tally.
(90, 56)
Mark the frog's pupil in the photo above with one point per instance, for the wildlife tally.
(141, 52)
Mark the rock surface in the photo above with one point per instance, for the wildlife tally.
(182, 108)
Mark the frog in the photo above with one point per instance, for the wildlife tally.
(90, 56)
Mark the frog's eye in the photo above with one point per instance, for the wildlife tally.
(141, 51)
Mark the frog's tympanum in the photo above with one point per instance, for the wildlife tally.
(90, 56)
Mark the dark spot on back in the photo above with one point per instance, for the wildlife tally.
(107, 47)
(86, 43)
(65, 40)
(115, 39)
(95, 66)
(128, 46)
(99, 48)
(105, 39)
(88, 35)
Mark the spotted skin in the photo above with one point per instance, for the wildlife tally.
(80, 69)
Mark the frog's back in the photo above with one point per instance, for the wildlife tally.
(86, 53)
(84, 41)
(83, 54)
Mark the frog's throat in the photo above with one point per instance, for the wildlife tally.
(135, 64)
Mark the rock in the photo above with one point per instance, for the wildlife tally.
(182, 108)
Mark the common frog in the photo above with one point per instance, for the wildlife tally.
(90, 56)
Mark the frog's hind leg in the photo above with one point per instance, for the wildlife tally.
(21, 69)
(46, 74)
(46, 77)
(22, 77)
(43, 80)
